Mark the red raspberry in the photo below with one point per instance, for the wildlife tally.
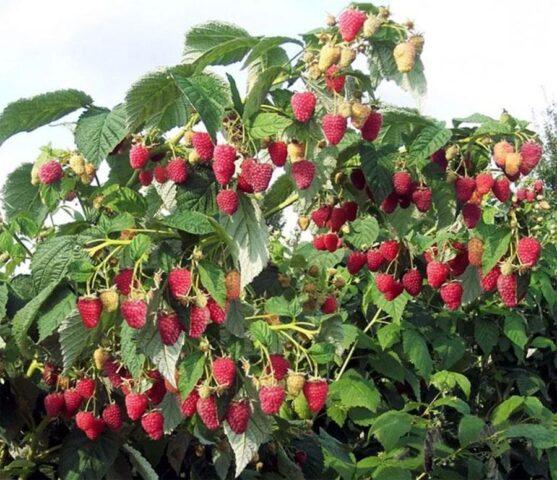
(319, 242)
(224, 371)
(216, 312)
(437, 273)
(189, 405)
(350, 23)
(303, 173)
(145, 177)
(375, 259)
(356, 260)
(123, 281)
(350, 210)
(337, 219)
(169, 327)
(421, 197)
(199, 319)
(440, 159)
(227, 201)
(334, 128)
(160, 174)
(451, 293)
(471, 214)
(261, 174)
(85, 420)
(531, 154)
(458, 263)
(402, 183)
(315, 392)
(139, 156)
(244, 182)
(96, 429)
(530, 195)
(404, 202)
(502, 189)
(271, 399)
(179, 282)
(280, 366)
(334, 81)
(153, 425)
(303, 105)
(332, 242)
(394, 291)
(238, 415)
(484, 183)
(489, 281)
(389, 249)
(157, 391)
(50, 172)
(507, 288)
(358, 179)
(371, 127)
(321, 215)
(278, 153)
(389, 204)
(134, 312)
(112, 416)
(90, 309)
(136, 404)
(203, 145)
(384, 282)
(177, 170)
(538, 186)
(521, 194)
(86, 387)
(528, 250)
(464, 187)
(50, 374)
(223, 163)
(207, 411)
(329, 305)
(72, 401)
(412, 282)
(54, 404)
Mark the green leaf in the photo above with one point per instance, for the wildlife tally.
(496, 242)
(506, 409)
(429, 140)
(377, 166)
(63, 305)
(19, 195)
(170, 408)
(470, 285)
(140, 463)
(99, 131)
(74, 339)
(260, 332)
(445, 381)
(392, 473)
(124, 199)
(322, 353)
(269, 124)
(191, 370)
(388, 335)
(486, 333)
(280, 190)
(541, 436)
(264, 45)
(470, 429)
(27, 114)
(52, 259)
(3, 300)
(415, 348)
(515, 330)
(395, 308)
(129, 353)
(352, 390)
(198, 194)
(189, 221)
(389, 427)
(212, 278)
(259, 90)
(363, 232)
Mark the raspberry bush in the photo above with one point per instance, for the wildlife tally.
(301, 281)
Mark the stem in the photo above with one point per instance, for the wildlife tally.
(281, 206)
(36, 436)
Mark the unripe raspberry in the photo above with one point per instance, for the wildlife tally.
(109, 299)
(371, 25)
(100, 355)
(296, 151)
(295, 383)
(500, 152)
(405, 56)
(475, 252)
(329, 55)
(233, 285)
(512, 163)
(77, 164)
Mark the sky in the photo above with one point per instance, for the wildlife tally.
(480, 55)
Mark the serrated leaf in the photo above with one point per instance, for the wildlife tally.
(504, 410)
(50, 320)
(377, 166)
(189, 221)
(394, 308)
(260, 332)
(74, 339)
(515, 330)
(470, 429)
(388, 335)
(429, 140)
(540, 435)
(415, 348)
(363, 232)
(259, 90)
(352, 390)
(212, 278)
(496, 242)
(52, 259)
(19, 195)
(269, 124)
(197, 193)
(264, 45)
(191, 370)
(170, 408)
(3, 300)
(280, 190)
(390, 427)
(140, 463)
(129, 353)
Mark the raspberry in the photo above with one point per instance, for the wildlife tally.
(507, 288)
(332, 242)
(90, 309)
(538, 186)
(451, 294)
(389, 204)
(224, 371)
(350, 22)
(319, 242)
(238, 415)
(136, 404)
(244, 182)
(337, 219)
(279, 366)
(207, 411)
(484, 183)
(303, 105)
(521, 194)
(96, 429)
(374, 259)
(315, 392)
(109, 299)
(303, 172)
(139, 156)
(271, 399)
(216, 312)
(232, 283)
(334, 128)
(189, 405)
(50, 374)
(177, 170)
(412, 282)
(512, 164)
(153, 425)
(350, 210)
(112, 416)
(471, 214)
(328, 55)
(530, 195)
(223, 163)
(356, 260)
(333, 80)
(145, 177)
(437, 273)
(261, 174)
(531, 153)
(134, 312)
(502, 189)
(404, 202)
(371, 127)
(84, 420)
(384, 282)
(329, 305)
(475, 251)
(169, 327)
(199, 319)
(278, 153)
(458, 264)
(421, 197)
(295, 383)
(321, 215)
(358, 179)
(500, 152)
(54, 404)
(394, 291)
(179, 282)
(389, 249)
(123, 281)
(464, 187)
(402, 182)
(86, 387)
(227, 201)
(489, 281)
(50, 172)
(72, 401)
(157, 391)
(405, 55)
(203, 145)
(160, 174)
(528, 250)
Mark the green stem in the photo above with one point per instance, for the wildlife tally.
(281, 206)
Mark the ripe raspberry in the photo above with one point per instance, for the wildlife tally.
(371, 127)
(153, 425)
(160, 174)
(319, 242)
(72, 401)
(475, 251)
(402, 182)
(451, 294)
(261, 174)
(207, 411)
(189, 405)
(216, 312)
(458, 264)
(329, 305)
(224, 371)
(350, 210)
(489, 281)
(350, 22)
(384, 282)
(500, 152)
(303, 172)
(244, 182)
(530, 195)
(238, 415)
(169, 327)
(440, 159)
(203, 145)
(484, 183)
(389, 249)
(464, 187)
(280, 366)
(394, 291)
(139, 156)
(109, 299)
(471, 214)
(278, 153)
(321, 215)
(227, 201)
(134, 312)
(50, 172)
(177, 170)
(528, 250)
(315, 392)
(90, 309)
(337, 219)
(412, 282)
(123, 281)
(54, 404)
(179, 282)
(502, 189)
(223, 163)
(334, 128)
(84, 420)
(199, 319)
(112, 416)
(303, 105)
(136, 404)
(437, 273)
(232, 283)
(356, 260)
(332, 242)
(538, 186)
(271, 399)
(157, 391)
(86, 387)
(405, 201)
(507, 288)
(375, 260)
(521, 194)
(389, 204)
(96, 429)
(334, 81)
(145, 177)
(421, 197)
(531, 154)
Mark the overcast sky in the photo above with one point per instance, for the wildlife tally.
(480, 55)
